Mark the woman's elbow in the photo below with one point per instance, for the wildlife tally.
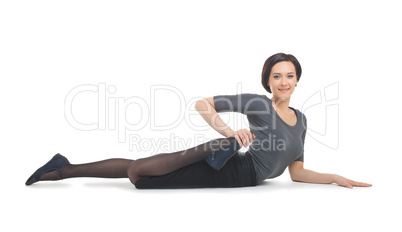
(295, 170)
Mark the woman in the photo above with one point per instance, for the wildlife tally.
(276, 141)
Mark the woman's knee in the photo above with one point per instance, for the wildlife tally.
(132, 171)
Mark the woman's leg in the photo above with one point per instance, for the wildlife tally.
(152, 166)
(238, 172)
(111, 168)
(162, 164)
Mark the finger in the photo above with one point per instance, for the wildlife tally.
(347, 185)
(247, 139)
(350, 183)
(250, 136)
(361, 184)
(237, 137)
(244, 139)
(353, 182)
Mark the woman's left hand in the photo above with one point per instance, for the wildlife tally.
(349, 183)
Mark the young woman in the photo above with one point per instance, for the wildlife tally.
(276, 141)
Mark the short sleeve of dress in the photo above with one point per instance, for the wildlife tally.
(301, 157)
(245, 103)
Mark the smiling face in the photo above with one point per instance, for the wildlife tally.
(282, 79)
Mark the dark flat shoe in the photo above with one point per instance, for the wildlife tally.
(56, 163)
(219, 157)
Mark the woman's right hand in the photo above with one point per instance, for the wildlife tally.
(244, 137)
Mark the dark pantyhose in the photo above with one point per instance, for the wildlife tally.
(110, 168)
(156, 165)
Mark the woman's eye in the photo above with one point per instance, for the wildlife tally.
(290, 76)
(276, 77)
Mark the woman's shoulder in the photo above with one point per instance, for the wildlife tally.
(303, 117)
(253, 95)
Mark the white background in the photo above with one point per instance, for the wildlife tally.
(204, 48)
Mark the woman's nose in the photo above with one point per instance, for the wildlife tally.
(283, 81)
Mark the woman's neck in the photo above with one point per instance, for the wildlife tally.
(281, 104)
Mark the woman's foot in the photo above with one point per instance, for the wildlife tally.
(51, 169)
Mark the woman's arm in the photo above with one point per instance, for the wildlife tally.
(206, 108)
(298, 173)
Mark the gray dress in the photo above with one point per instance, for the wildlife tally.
(277, 144)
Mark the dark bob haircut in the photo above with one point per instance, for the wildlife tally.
(271, 61)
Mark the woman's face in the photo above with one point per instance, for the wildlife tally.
(282, 79)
